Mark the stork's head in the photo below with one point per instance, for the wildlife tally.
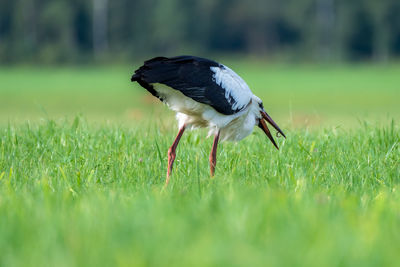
(262, 117)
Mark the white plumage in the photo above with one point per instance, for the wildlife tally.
(235, 87)
(193, 115)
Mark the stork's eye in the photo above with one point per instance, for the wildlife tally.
(261, 105)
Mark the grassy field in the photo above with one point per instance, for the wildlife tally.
(83, 163)
(297, 96)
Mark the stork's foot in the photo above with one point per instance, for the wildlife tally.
(213, 162)
(213, 155)
(171, 159)
(172, 154)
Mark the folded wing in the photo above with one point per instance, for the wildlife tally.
(203, 80)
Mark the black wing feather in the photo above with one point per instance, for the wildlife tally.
(190, 75)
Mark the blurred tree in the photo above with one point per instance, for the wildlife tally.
(56, 31)
(6, 32)
(82, 26)
(393, 19)
(359, 42)
(379, 10)
(84, 30)
(100, 27)
(325, 19)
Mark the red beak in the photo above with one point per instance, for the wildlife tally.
(264, 127)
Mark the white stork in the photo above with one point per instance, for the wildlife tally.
(204, 93)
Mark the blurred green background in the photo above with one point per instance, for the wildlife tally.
(83, 151)
(80, 31)
(313, 62)
(295, 95)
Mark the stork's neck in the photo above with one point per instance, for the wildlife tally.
(254, 108)
(244, 124)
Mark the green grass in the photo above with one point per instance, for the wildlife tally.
(73, 194)
(87, 190)
(298, 95)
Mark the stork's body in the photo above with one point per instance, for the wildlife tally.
(206, 94)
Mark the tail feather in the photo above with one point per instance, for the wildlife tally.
(162, 70)
(135, 77)
(138, 77)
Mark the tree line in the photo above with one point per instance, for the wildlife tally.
(79, 31)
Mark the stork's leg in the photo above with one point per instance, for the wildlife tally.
(213, 155)
(172, 154)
